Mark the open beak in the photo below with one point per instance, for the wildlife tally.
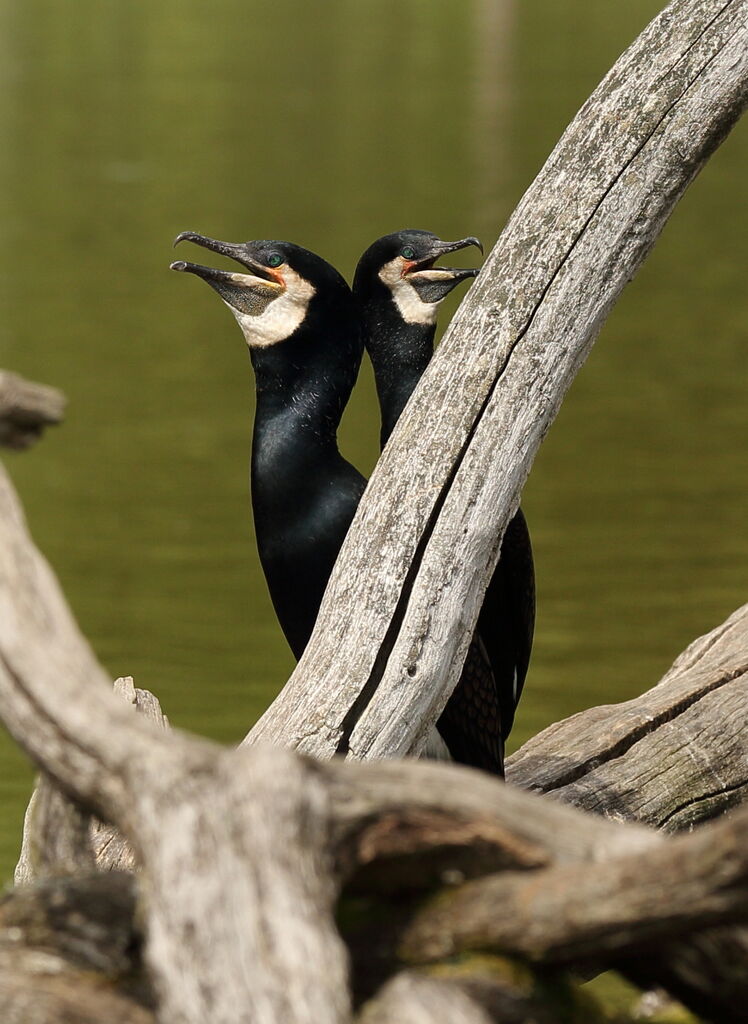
(434, 283)
(245, 293)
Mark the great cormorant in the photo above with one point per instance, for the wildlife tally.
(398, 289)
(299, 320)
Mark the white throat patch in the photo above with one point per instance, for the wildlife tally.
(282, 315)
(412, 308)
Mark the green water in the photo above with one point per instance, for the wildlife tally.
(123, 123)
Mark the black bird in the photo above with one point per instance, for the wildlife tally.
(300, 322)
(398, 289)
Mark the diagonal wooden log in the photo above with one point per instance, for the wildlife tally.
(404, 596)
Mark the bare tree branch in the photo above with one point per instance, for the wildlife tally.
(568, 913)
(26, 408)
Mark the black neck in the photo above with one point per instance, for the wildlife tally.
(300, 401)
(399, 353)
(304, 493)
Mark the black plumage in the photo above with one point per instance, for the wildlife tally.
(398, 289)
(301, 325)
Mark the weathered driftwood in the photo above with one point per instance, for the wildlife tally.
(550, 857)
(377, 815)
(243, 852)
(672, 757)
(708, 972)
(567, 914)
(404, 596)
(548, 905)
(59, 836)
(26, 408)
(111, 850)
(394, 833)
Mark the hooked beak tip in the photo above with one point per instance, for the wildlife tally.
(185, 236)
(463, 243)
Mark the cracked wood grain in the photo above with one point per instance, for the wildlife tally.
(59, 837)
(672, 757)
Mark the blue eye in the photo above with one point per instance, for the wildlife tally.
(408, 252)
(275, 259)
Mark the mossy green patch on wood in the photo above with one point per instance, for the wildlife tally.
(620, 1001)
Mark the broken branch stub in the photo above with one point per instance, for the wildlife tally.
(26, 408)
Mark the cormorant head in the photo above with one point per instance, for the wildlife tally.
(404, 264)
(272, 300)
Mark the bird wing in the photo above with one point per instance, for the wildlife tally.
(507, 619)
(480, 712)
